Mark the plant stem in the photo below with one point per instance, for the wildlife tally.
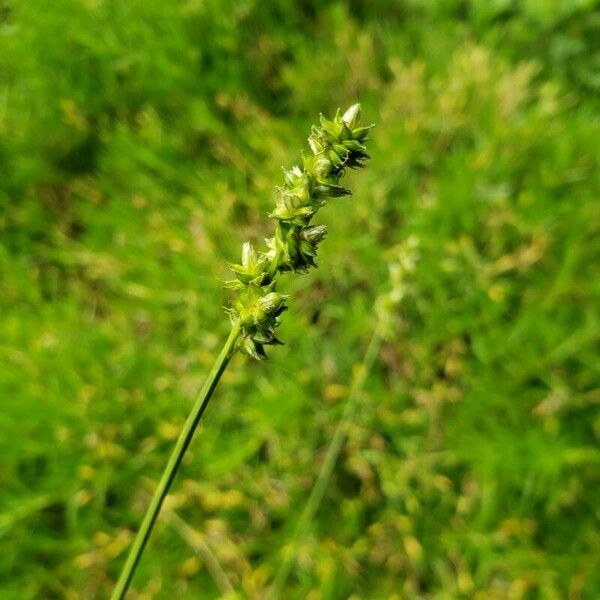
(202, 549)
(172, 467)
(333, 452)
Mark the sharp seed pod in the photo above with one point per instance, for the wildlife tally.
(336, 145)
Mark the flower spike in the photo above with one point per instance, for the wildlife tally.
(336, 145)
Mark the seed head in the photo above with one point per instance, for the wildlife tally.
(336, 145)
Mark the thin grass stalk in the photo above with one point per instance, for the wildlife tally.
(195, 541)
(327, 468)
(185, 437)
(401, 267)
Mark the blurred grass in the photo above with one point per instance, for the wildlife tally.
(139, 144)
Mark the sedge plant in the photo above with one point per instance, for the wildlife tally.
(401, 267)
(336, 145)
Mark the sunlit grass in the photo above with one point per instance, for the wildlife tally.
(139, 143)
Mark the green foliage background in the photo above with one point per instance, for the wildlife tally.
(139, 144)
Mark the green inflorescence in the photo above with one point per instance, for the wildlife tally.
(335, 145)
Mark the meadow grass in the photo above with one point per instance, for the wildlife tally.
(139, 143)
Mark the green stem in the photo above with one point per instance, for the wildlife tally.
(331, 457)
(185, 437)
